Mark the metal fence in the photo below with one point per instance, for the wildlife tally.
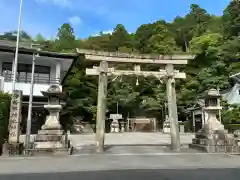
(27, 79)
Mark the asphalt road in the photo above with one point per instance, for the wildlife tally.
(146, 174)
(121, 167)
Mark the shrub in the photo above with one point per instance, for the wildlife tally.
(5, 101)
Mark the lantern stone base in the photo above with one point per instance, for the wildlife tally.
(215, 146)
(12, 149)
(51, 142)
(216, 141)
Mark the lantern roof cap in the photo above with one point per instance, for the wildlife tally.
(212, 93)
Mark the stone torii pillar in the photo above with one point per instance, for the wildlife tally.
(101, 105)
(172, 109)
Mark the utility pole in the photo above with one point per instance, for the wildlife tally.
(15, 64)
(101, 105)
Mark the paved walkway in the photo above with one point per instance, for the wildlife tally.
(128, 143)
(126, 138)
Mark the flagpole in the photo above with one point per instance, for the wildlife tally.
(17, 47)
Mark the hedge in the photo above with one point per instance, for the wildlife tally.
(232, 127)
(5, 100)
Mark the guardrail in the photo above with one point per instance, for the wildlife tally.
(27, 79)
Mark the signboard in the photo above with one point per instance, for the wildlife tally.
(15, 117)
(116, 116)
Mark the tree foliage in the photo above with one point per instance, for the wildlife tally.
(231, 18)
(65, 38)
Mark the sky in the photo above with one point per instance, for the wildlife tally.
(89, 17)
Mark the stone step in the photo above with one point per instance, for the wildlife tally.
(48, 144)
(51, 132)
(43, 137)
(50, 152)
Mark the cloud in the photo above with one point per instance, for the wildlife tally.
(75, 20)
(107, 32)
(103, 32)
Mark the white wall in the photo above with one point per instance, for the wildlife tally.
(55, 70)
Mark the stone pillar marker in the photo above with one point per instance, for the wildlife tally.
(15, 117)
(13, 146)
(122, 126)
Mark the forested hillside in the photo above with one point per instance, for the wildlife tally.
(215, 40)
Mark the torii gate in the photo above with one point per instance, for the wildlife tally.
(103, 72)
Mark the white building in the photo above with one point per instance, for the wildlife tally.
(50, 68)
(232, 95)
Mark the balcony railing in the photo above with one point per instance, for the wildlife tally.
(27, 79)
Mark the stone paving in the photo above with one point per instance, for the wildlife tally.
(129, 143)
(126, 139)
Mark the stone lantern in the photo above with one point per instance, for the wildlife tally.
(213, 137)
(51, 138)
(54, 95)
(115, 122)
(212, 108)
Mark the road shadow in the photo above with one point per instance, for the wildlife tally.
(134, 148)
(143, 174)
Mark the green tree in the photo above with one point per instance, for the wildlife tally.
(82, 91)
(39, 38)
(231, 18)
(65, 38)
(180, 31)
(12, 36)
(120, 38)
(232, 115)
(229, 52)
(162, 42)
(142, 35)
(124, 93)
(206, 43)
(100, 42)
(199, 19)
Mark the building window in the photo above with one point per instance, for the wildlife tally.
(41, 75)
